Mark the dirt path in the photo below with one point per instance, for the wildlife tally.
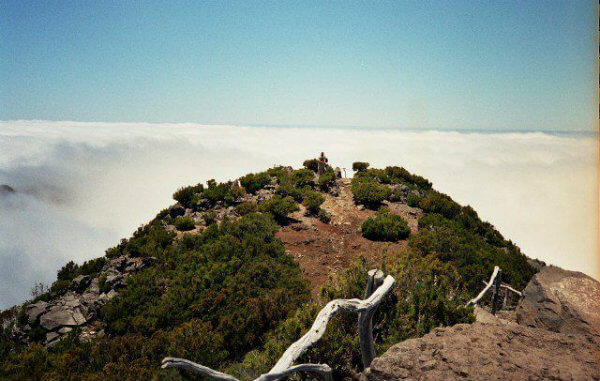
(325, 249)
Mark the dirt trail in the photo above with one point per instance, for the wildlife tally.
(325, 249)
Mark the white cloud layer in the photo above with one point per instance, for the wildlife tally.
(83, 186)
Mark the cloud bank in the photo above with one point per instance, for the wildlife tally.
(83, 186)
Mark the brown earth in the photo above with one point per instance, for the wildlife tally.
(324, 249)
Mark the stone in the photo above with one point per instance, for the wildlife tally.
(559, 300)
(490, 351)
(60, 316)
(80, 283)
(65, 330)
(35, 310)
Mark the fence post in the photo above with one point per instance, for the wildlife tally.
(496, 294)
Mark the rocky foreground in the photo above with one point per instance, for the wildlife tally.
(552, 336)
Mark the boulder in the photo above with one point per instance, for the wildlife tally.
(80, 283)
(61, 316)
(561, 301)
(493, 351)
(35, 310)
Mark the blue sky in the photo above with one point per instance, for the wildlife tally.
(471, 65)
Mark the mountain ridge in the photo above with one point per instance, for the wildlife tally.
(233, 242)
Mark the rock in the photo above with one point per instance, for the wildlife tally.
(35, 310)
(176, 210)
(60, 316)
(497, 351)
(51, 336)
(536, 264)
(115, 280)
(80, 283)
(561, 301)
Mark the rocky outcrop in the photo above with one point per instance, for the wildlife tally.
(490, 351)
(561, 301)
(79, 306)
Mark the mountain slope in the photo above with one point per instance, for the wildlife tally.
(235, 271)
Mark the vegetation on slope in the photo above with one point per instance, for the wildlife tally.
(230, 298)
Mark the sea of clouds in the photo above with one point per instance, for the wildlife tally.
(80, 187)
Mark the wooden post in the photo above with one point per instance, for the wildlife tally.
(496, 292)
(365, 320)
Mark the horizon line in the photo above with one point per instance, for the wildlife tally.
(330, 126)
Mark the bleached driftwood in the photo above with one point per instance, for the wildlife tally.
(365, 320)
(171, 362)
(284, 366)
(327, 313)
(476, 299)
(174, 362)
(507, 287)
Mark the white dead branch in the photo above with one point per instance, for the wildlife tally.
(284, 366)
(506, 286)
(365, 320)
(489, 284)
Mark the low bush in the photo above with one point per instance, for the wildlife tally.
(313, 200)
(436, 202)
(303, 177)
(413, 200)
(327, 178)
(255, 182)
(246, 207)
(185, 195)
(184, 223)
(360, 166)
(369, 192)
(312, 164)
(385, 226)
(279, 207)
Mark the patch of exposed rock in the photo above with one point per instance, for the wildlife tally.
(79, 306)
(561, 301)
(490, 351)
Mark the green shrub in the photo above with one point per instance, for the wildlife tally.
(369, 192)
(327, 178)
(227, 192)
(413, 200)
(436, 202)
(246, 207)
(68, 271)
(313, 200)
(184, 223)
(312, 164)
(303, 177)
(385, 226)
(209, 217)
(360, 166)
(279, 207)
(185, 195)
(255, 182)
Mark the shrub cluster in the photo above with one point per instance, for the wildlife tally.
(360, 166)
(385, 226)
(279, 207)
(255, 182)
(184, 223)
(313, 200)
(369, 192)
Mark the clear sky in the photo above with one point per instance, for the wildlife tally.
(497, 65)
